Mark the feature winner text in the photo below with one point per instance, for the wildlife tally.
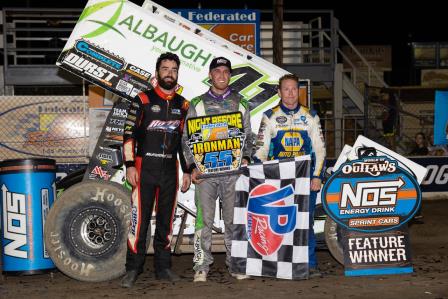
(377, 249)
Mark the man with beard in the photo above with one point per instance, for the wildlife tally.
(152, 141)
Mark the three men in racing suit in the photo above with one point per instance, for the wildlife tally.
(289, 130)
(152, 141)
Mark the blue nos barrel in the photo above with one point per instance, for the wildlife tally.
(27, 193)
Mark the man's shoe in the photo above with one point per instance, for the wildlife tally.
(200, 276)
(315, 273)
(239, 276)
(129, 279)
(167, 274)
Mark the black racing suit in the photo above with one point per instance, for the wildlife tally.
(152, 141)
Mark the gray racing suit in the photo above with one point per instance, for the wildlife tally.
(210, 189)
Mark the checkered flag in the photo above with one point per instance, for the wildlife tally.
(271, 219)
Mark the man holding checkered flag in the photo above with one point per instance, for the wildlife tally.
(288, 130)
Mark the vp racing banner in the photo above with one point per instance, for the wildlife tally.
(271, 219)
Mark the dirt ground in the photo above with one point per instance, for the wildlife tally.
(429, 280)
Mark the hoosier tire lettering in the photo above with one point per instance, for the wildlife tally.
(62, 255)
(86, 231)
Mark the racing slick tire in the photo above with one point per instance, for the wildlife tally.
(333, 237)
(86, 231)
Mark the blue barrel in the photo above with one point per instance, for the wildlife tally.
(28, 191)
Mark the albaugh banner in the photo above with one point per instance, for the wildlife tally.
(115, 45)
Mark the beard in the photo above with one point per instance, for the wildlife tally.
(166, 85)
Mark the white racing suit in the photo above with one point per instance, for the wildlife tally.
(286, 133)
(211, 188)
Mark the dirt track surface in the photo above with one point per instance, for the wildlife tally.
(429, 280)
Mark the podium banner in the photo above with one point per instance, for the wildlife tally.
(216, 142)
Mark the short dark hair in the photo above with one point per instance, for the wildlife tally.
(421, 134)
(167, 56)
(287, 77)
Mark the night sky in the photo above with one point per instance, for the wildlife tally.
(364, 22)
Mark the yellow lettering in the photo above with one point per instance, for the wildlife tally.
(236, 143)
(221, 145)
(217, 145)
(198, 148)
(213, 146)
(195, 125)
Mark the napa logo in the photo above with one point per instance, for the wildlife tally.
(292, 141)
(372, 194)
(271, 214)
(104, 26)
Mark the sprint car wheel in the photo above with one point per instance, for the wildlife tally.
(86, 231)
(333, 235)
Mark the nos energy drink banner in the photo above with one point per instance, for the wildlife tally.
(372, 198)
(115, 44)
(241, 27)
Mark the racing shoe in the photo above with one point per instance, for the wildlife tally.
(200, 276)
(129, 279)
(239, 276)
(167, 274)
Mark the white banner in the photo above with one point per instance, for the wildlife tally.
(115, 45)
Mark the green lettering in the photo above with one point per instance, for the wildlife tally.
(150, 31)
(204, 58)
(128, 21)
(162, 38)
(188, 54)
(171, 48)
(136, 27)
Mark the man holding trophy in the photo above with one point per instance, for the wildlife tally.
(221, 143)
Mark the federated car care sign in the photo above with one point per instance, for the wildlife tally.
(216, 142)
(241, 27)
(373, 198)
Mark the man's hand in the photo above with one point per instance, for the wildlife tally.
(186, 182)
(244, 161)
(132, 176)
(315, 184)
(194, 176)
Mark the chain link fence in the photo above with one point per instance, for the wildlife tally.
(55, 127)
(393, 118)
